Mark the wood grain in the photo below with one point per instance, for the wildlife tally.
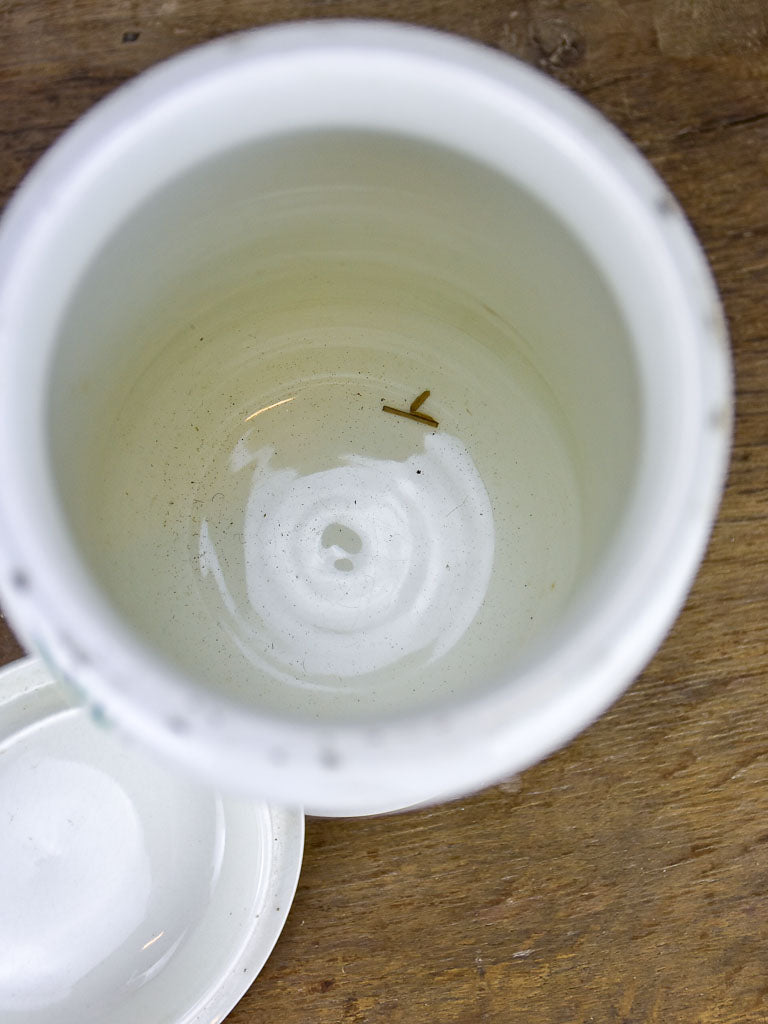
(624, 880)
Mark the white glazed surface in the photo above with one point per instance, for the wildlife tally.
(455, 94)
(127, 893)
(357, 611)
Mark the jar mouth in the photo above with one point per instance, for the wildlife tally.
(522, 220)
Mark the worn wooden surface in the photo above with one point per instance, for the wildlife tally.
(626, 878)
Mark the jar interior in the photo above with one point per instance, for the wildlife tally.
(224, 451)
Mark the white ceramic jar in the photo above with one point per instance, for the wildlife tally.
(265, 240)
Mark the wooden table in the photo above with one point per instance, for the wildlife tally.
(625, 879)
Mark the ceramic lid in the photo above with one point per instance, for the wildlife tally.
(127, 893)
